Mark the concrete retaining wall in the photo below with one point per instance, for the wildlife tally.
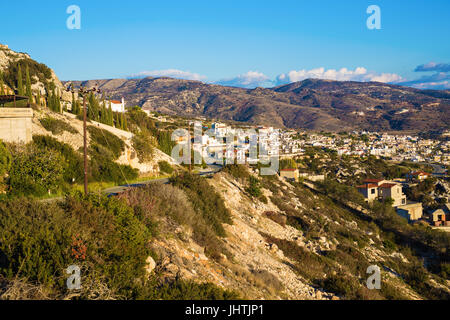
(15, 124)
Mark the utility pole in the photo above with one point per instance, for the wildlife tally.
(190, 149)
(84, 92)
(85, 146)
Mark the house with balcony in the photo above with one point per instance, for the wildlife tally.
(379, 189)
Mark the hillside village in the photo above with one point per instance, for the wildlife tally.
(337, 203)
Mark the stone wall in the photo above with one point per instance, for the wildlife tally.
(16, 124)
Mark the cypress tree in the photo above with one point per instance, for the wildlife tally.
(121, 121)
(28, 84)
(117, 120)
(103, 114)
(38, 97)
(2, 88)
(107, 114)
(50, 100)
(20, 82)
(58, 101)
(125, 126)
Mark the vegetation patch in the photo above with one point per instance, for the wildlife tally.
(107, 140)
(56, 126)
(165, 167)
(209, 206)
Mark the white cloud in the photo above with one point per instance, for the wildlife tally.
(251, 79)
(344, 74)
(171, 73)
(442, 85)
(437, 81)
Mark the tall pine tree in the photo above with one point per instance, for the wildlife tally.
(110, 116)
(38, 97)
(20, 82)
(2, 88)
(125, 126)
(28, 92)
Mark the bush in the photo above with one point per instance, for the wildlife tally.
(341, 285)
(38, 241)
(143, 142)
(107, 140)
(254, 188)
(35, 171)
(57, 126)
(35, 241)
(210, 208)
(74, 167)
(340, 191)
(102, 167)
(41, 71)
(5, 159)
(237, 171)
(179, 289)
(164, 166)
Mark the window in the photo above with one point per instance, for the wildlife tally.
(372, 191)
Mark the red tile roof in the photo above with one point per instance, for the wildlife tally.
(388, 185)
(418, 173)
(116, 101)
(367, 186)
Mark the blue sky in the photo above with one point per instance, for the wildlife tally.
(244, 42)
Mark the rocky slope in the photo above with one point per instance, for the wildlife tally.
(270, 257)
(8, 59)
(310, 104)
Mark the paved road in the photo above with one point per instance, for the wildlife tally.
(119, 189)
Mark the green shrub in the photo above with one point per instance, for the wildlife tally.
(35, 240)
(254, 188)
(143, 142)
(179, 289)
(164, 166)
(210, 208)
(41, 71)
(74, 167)
(57, 126)
(5, 159)
(103, 168)
(341, 285)
(35, 171)
(237, 171)
(37, 243)
(107, 140)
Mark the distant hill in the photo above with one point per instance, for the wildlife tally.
(310, 104)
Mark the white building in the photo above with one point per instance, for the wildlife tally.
(117, 106)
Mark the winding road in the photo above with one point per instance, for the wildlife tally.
(119, 189)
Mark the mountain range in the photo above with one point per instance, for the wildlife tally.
(310, 104)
